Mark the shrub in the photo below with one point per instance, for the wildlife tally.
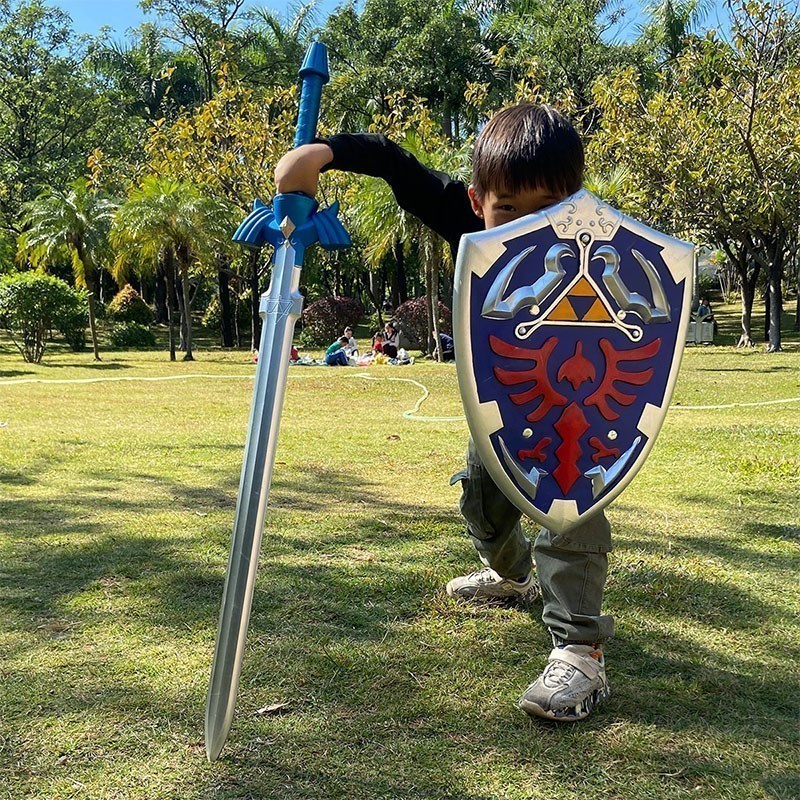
(128, 306)
(212, 316)
(131, 335)
(32, 305)
(412, 320)
(74, 330)
(325, 319)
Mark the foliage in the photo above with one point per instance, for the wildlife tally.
(212, 316)
(32, 305)
(325, 319)
(131, 335)
(72, 225)
(52, 111)
(128, 306)
(712, 154)
(412, 319)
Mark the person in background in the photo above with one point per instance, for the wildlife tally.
(351, 348)
(335, 355)
(391, 340)
(446, 347)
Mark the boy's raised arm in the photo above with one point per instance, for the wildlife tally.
(439, 201)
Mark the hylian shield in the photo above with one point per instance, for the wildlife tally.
(569, 329)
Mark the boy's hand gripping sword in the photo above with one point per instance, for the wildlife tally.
(291, 226)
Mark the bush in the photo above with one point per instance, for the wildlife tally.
(74, 330)
(131, 335)
(212, 316)
(32, 305)
(324, 320)
(128, 306)
(412, 320)
(707, 285)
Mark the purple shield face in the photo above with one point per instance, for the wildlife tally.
(569, 327)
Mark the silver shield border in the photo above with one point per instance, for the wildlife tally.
(477, 253)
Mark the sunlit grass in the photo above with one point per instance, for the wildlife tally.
(117, 504)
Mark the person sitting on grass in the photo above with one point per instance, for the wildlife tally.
(351, 348)
(527, 157)
(335, 355)
(377, 342)
(391, 340)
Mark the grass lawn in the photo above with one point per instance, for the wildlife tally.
(116, 510)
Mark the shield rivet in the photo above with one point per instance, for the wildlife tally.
(612, 435)
(586, 237)
(527, 433)
(534, 310)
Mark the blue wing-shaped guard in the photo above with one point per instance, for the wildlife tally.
(260, 227)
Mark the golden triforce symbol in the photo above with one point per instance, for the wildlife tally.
(580, 304)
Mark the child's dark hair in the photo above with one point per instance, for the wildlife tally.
(528, 146)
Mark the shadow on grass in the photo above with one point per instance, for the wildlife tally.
(395, 692)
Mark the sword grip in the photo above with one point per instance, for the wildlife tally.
(314, 75)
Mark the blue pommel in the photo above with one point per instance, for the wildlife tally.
(316, 62)
(314, 75)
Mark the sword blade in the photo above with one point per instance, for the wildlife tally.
(280, 307)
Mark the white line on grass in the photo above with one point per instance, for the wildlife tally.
(411, 414)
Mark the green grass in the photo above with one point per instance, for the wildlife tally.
(117, 504)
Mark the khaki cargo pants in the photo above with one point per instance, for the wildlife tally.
(571, 567)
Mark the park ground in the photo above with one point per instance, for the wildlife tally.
(361, 678)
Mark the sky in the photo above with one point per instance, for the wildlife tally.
(88, 16)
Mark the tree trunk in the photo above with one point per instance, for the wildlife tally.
(767, 312)
(399, 288)
(90, 287)
(186, 305)
(226, 320)
(375, 296)
(797, 301)
(428, 309)
(161, 291)
(435, 310)
(93, 327)
(252, 279)
(775, 305)
(169, 280)
(748, 295)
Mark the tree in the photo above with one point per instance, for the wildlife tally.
(712, 154)
(168, 220)
(151, 78)
(74, 224)
(52, 113)
(228, 147)
(33, 304)
(206, 28)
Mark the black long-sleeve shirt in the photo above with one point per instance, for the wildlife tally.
(435, 198)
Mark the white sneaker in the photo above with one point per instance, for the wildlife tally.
(572, 685)
(486, 585)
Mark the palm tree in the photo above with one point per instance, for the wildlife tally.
(72, 224)
(386, 228)
(272, 47)
(173, 223)
(671, 23)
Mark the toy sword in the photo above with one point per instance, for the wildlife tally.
(292, 225)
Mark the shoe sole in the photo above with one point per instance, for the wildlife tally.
(566, 715)
(526, 599)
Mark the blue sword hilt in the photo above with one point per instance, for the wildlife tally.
(314, 75)
(262, 225)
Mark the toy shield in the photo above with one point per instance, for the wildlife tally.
(569, 329)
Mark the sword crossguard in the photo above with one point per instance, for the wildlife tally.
(263, 225)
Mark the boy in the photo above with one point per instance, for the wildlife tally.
(526, 158)
(335, 355)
